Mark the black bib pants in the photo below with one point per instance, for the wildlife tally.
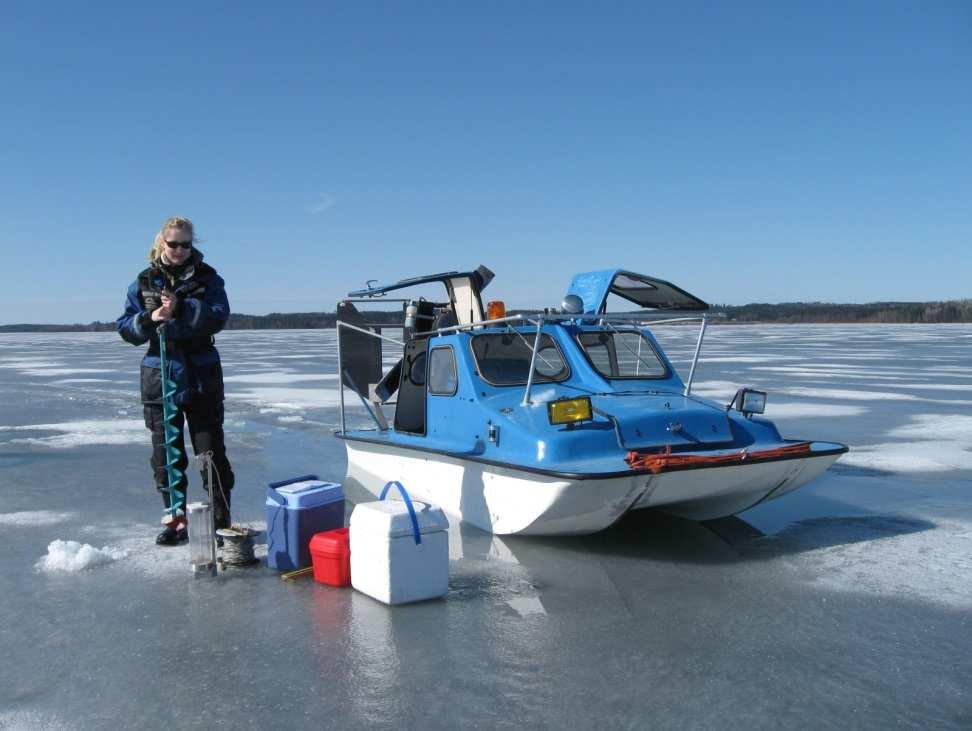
(204, 417)
(205, 420)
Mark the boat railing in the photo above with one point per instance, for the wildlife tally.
(537, 321)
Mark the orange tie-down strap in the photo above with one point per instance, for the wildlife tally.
(664, 461)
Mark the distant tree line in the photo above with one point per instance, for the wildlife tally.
(803, 312)
(876, 312)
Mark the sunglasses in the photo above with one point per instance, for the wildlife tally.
(179, 244)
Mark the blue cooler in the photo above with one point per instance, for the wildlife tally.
(296, 510)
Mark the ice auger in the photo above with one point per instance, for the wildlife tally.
(176, 512)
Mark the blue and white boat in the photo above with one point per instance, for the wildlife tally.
(558, 422)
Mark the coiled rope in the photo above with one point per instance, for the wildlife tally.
(235, 542)
(237, 545)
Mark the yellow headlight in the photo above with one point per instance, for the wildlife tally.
(570, 411)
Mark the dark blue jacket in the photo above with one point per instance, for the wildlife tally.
(194, 363)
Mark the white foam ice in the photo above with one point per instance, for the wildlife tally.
(77, 433)
(61, 371)
(72, 556)
(291, 419)
(31, 721)
(27, 362)
(69, 381)
(714, 389)
(849, 395)
(910, 457)
(288, 398)
(32, 518)
(933, 565)
(279, 378)
(784, 410)
(746, 358)
(939, 427)
(937, 386)
(936, 443)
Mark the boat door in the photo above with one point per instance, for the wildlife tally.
(410, 410)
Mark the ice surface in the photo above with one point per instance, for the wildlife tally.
(849, 597)
(71, 556)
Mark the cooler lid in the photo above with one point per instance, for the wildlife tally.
(305, 493)
(332, 542)
(390, 518)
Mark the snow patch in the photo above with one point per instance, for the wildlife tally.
(289, 398)
(78, 433)
(911, 457)
(949, 427)
(842, 393)
(61, 371)
(933, 566)
(279, 378)
(30, 721)
(68, 381)
(937, 386)
(71, 556)
(714, 389)
(32, 518)
(793, 409)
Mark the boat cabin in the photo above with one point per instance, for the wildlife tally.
(572, 387)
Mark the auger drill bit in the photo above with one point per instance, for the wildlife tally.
(177, 498)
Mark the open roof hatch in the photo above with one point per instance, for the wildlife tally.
(646, 292)
(464, 290)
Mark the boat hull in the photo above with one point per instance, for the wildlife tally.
(505, 500)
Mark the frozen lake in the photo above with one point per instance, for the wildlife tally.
(848, 603)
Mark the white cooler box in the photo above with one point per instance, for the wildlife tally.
(387, 563)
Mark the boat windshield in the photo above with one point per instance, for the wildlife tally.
(504, 359)
(622, 354)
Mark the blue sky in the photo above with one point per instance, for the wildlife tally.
(746, 151)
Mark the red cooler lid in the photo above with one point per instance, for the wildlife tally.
(335, 542)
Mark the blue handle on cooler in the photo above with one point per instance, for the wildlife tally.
(408, 504)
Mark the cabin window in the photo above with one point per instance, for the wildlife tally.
(503, 359)
(443, 379)
(622, 354)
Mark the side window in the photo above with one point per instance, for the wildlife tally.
(443, 379)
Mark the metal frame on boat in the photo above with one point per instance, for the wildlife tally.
(507, 463)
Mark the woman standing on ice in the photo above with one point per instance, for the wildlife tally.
(187, 297)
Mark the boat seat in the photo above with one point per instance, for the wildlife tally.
(446, 318)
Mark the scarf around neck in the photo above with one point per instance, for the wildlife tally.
(178, 272)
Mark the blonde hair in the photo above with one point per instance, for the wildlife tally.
(179, 222)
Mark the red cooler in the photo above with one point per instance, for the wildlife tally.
(331, 555)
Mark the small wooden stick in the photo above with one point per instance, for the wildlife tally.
(291, 575)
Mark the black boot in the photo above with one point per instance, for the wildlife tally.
(173, 534)
(176, 529)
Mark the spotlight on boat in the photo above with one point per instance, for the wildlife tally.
(572, 305)
(749, 401)
(570, 410)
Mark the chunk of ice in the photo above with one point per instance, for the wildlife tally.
(71, 556)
